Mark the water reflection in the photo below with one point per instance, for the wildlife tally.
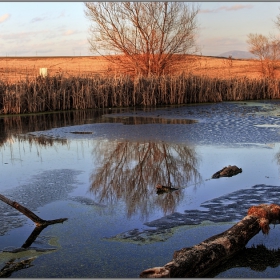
(14, 265)
(13, 125)
(257, 258)
(23, 140)
(130, 171)
(277, 158)
(128, 120)
(19, 261)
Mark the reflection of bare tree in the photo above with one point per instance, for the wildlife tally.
(130, 171)
(277, 159)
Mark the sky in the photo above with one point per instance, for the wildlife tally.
(62, 29)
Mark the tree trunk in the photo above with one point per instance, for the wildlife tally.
(198, 260)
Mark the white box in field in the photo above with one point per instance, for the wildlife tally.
(43, 72)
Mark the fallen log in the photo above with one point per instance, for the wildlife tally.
(37, 220)
(200, 259)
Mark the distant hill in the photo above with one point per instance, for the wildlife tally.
(237, 54)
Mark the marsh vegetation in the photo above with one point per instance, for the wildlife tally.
(58, 93)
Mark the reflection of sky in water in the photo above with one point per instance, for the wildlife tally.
(31, 159)
(23, 158)
(258, 165)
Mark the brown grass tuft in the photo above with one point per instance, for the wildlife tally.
(266, 214)
(264, 225)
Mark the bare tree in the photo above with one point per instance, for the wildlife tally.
(267, 50)
(150, 36)
(277, 21)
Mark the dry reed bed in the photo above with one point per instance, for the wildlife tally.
(60, 93)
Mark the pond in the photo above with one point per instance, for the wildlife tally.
(100, 168)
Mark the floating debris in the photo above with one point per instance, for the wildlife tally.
(228, 171)
(81, 132)
(164, 189)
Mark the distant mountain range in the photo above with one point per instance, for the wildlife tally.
(237, 54)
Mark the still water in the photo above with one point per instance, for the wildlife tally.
(100, 168)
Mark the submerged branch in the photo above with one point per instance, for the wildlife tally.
(37, 220)
(13, 266)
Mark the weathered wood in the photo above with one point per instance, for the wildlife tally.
(37, 220)
(198, 260)
(227, 171)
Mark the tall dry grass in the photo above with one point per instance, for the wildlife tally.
(60, 93)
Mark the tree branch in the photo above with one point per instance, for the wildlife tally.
(37, 220)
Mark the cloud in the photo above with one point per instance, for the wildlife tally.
(69, 32)
(61, 15)
(222, 41)
(48, 17)
(236, 7)
(226, 8)
(4, 17)
(218, 45)
(206, 11)
(36, 19)
(27, 36)
(44, 51)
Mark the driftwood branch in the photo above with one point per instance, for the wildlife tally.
(37, 220)
(13, 266)
(200, 259)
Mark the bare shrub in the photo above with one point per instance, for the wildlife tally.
(267, 50)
